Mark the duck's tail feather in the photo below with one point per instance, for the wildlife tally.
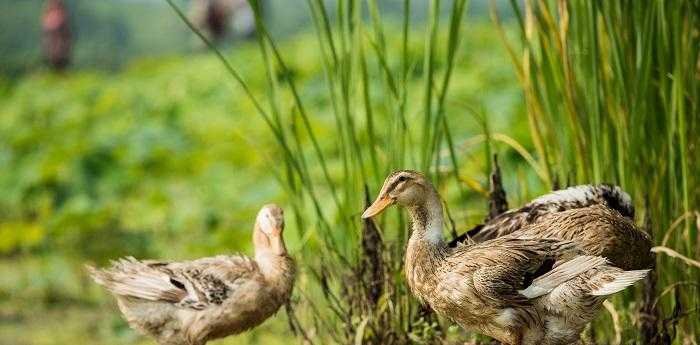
(621, 280)
(130, 277)
(561, 274)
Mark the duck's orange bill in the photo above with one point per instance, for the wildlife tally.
(377, 207)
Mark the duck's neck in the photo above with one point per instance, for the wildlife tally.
(276, 265)
(426, 247)
(427, 221)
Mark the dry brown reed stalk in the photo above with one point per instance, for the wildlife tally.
(497, 203)
(497, 195)
(367, 285)
(649, 314)
(372, 258)
(674, 254)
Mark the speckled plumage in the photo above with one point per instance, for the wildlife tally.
(192, 302)
(526, 290)
(598, 218)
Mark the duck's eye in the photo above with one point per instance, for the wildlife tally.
(402, 178)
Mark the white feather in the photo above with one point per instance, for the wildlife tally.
(506, 317)
(434, 232)
(622, 195)
(585, 194)
(578, 193)
(621, 281)
(265, 221)
(561, 274)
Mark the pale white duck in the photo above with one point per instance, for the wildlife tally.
(192, 302)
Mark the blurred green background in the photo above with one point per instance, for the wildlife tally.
(144, 146)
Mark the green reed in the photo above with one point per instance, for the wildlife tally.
(613, 95)
(367, 84)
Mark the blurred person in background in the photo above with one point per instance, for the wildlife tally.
(56, 35)
(216, 18)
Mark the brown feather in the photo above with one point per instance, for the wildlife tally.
(482, 286)
(192, 302)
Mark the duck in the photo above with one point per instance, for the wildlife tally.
(598, 218)
(193, 302)
(518, 290)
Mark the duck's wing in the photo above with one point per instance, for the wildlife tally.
(563, 273)
(580, 275)
(190, 284)
(581, 196)
(584, 276)
(506, 265)
(214, 279)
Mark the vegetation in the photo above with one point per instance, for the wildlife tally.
(612, 92)
(593, 96)
(166, 160)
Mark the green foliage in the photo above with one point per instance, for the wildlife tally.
(167, 160)
(144, 164)
(593, 99)
(388, 90)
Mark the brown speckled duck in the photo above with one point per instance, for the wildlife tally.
(598, 218)
(192, 302)
(516, 290)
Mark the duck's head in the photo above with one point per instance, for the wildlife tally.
(267, 236)
(270, 220)
(270, 251)
(402, 187)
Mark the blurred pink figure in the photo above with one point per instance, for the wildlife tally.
(56, 36)
(217, 17)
